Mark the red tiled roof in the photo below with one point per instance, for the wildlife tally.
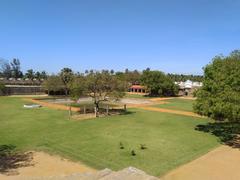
(137, 87)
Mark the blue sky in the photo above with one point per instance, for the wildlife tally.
(172, 35)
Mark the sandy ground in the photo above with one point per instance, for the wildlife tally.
(223, 163)
(48, 165)
(171, 111)
(52, 105)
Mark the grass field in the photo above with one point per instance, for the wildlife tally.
(170, 139)
(177, 104)
(138, 96)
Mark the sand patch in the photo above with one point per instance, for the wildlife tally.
(220, 164)
(185, 113)
(44, 165)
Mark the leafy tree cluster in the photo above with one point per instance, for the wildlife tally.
(219, 98)
(182, 77)
(158, 84)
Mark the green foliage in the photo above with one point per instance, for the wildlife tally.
(183, 77)
(219, 98)
(30, 74)
(66, 76)
(53, 83)
(101, 86)
(2, 89)
(158, 83)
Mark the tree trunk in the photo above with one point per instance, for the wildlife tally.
(96, 103)
(66, 92)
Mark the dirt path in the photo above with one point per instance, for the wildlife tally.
(219, 164)
(185, 113)
(52, 105)
(48, 165)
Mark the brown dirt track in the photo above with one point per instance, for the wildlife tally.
(53, 106)
(221, 163)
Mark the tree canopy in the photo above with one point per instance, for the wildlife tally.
(101, 86)
(158, 84)
(53, 83)
(219, 98)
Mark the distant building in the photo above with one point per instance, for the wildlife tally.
(188, 87)
(22, 86)
(137, 89)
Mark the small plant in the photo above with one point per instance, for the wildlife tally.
(143, 146)
(121, 145)
(133, 153)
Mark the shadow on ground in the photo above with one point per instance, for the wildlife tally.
(228, 132)
(11, 159)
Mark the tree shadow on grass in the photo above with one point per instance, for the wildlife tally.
(228, 132)
(11, 159)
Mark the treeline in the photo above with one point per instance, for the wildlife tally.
(13, 70)
(156, 82)
(183, 77)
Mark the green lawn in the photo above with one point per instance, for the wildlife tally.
(171, 139)
(177, 104)
(136, 96)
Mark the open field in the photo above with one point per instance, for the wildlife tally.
(170, 139)
(177, 104)
(139, 96)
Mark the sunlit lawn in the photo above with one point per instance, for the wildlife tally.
(171, 140)
(177, 104)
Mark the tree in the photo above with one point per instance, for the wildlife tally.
(5, 70)
(101, 86)
(30, 74)
(158, 84)
(16, 68)
(53, 83)
(66, 76)
(43, 75)
(219, 97)
(37, 75)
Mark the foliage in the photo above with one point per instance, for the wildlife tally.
(158, 84)
(2, 89)
(66, 76)
(183, 77)
(101, 86)
(5, 69)
(53, 83)
(30, 74)
(16, 68)
(219, 98)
